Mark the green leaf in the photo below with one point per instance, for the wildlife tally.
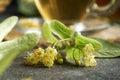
(7, 25)
(47, 34)
(73, 54)
(10, 49)
(109, 50)
(61, 30)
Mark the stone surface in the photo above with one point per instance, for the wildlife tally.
(107, 69)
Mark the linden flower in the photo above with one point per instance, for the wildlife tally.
(48, 60)
(51, 50)
(31, 59)
(39, 51)
(35, 57)
(90, 61)
(88, 49)
(89, 58)
(46, 57)
(49, 57)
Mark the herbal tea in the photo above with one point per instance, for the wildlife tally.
(67, 11)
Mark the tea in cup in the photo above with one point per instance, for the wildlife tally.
(69, 12)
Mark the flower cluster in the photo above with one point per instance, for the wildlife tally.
(46, 57)
(35, 57)
(89, 58)
(49, 55)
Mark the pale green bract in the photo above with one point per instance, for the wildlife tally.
(10, 49)
(7, 25)
(46, 32)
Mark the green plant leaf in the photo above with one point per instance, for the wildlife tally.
(61, 30)
(73, 54)
(109, 50)
(10, 49)
(47, 34)
(7, 25)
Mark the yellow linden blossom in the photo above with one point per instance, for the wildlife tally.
(49, 57)
(51, 50)
(40, 53)
(88, 49)
(47, 60)
(35, 57)
(90, 61)
(31, 59)
(46, 57)
(89, 58)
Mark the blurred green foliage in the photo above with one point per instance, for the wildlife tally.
(27, 8)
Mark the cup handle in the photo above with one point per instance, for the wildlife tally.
(110, 8)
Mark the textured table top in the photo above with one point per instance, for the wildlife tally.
(107, 69)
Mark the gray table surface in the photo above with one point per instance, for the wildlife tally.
(107, 69)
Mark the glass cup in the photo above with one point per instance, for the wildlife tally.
(71, 12)
(113, 17)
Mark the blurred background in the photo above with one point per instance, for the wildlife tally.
(21, 8)
(27, 8)
(30, 17)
